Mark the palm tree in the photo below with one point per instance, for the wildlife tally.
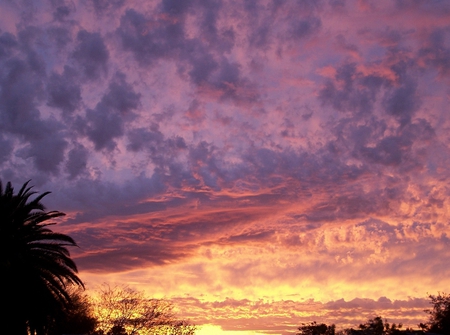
(35, 264)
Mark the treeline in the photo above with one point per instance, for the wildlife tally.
(438, 323)
(118, 310)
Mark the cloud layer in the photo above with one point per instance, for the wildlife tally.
(231, 152)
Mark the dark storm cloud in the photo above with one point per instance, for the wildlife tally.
(106, 122)
(91, 54)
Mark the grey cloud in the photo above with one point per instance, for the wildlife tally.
(103, 126)
(222, 75)
(423, 6)
(6, 148)
(105, 6)
(60, 35)
(388, 151)
(253, 236)
(355, 92)
(146, 251)
(8, 43)
(176, 8)
(260, 37)
(337, 4)
(121, 96)
(163, 152)
(47, 151)
(22, 80)
(148, 39)
(62, 12)
(141, 138)
(201, 60)
(64, 92)
(106, 122)
(222, 40)
(91, 54)
(77, 161)
(305, 27)
(403, 102)
(98, 198)
(21, 90)
(437, 52)
(397, 149)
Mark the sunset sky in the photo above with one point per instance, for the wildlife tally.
(260, 163)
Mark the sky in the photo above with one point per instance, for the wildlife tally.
(260, 163)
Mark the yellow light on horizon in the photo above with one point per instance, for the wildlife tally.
(217, 330)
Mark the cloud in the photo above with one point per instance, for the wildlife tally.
(6, 148)
(264, 315)
(149, 39)
(437, 52)
(402, 102)
(77, 160)
(63, 91)
(106, 122)
(91, 54)
(47, 151)
(279, 150)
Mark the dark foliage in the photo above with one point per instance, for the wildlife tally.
(316, 329)
(439, 321)
(36, 268)
(77, 317)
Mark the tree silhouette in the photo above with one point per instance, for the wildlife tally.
(121, 310)
(314, 328)
(439, 321)
(36, 267)
(77, 317)
(376, 326)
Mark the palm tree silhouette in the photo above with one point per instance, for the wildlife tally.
(35, 264)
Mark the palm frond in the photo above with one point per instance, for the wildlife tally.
(35, 261)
